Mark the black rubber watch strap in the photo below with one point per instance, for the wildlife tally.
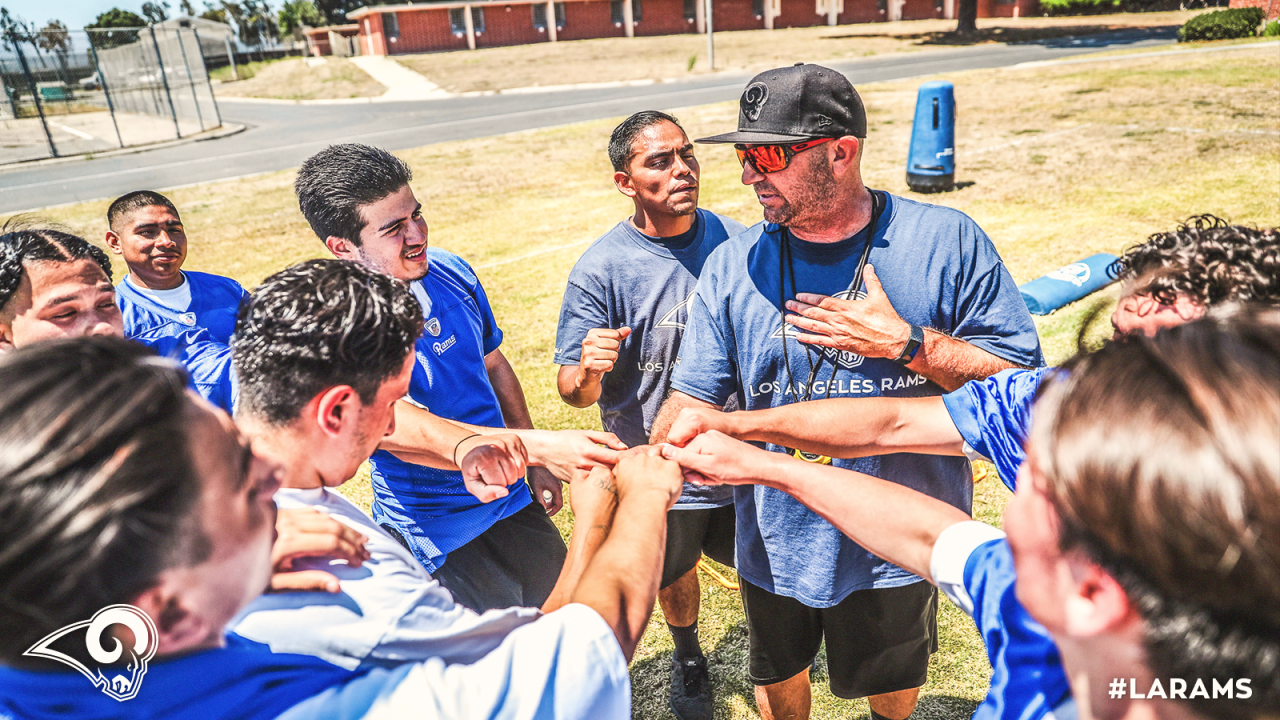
(913, 345)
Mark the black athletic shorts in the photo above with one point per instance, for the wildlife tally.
(878, 641)
(514, 563)
(690, 533)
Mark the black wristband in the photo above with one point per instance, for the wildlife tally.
(455, 447)
(913, 345)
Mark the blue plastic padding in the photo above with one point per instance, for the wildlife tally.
(1068, 284)
(933, 132)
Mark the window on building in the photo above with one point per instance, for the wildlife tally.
(882, 5)
(757, 8)
(540, 15)
(691, 10)
(458, 20)
(615, 11)
(391, 25)
(939, 5)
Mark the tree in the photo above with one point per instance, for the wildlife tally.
(54, 38)
(215, 14)
(297, 13)
(187, 8)
(108, 36)
(255, 24)
(156, 12)
(967, 18)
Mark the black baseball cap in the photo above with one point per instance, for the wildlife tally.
(797, 103)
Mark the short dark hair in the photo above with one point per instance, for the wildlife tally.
(22, 244)
(1160, 458)
(333, 184)
(97, 488)
(136, 200)
(1208, 260)
(622, 141)
(316, 325)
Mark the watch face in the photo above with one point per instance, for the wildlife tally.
(812, 457)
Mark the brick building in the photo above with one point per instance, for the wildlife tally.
(456, 25)
(1270, 7)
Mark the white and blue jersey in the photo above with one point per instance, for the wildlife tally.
(214, 305)
(993, 417)
(207, 362)
(972, 565)
(432, 508)
(626, 279)
(940, 271)
(564, 665)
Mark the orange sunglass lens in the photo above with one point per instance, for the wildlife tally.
(765, 158)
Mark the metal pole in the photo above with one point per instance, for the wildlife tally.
(97, 66)
(231, 56)
(191, 83)
(164, 77)
(35, 93)
(711, 43)
(212, 98)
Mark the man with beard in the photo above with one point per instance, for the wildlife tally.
(918, 303)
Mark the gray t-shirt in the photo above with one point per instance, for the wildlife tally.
(627, 279)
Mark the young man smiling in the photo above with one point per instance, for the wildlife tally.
(623, 313)
(501, 553)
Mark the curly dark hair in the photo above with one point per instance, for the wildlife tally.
(1209, 260)
(22, 243)
(317, 325)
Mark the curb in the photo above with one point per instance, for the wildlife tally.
(226, 130)
(1160, 53)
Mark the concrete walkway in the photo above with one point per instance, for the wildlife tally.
(402, 83)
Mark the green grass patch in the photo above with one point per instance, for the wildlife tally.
(522, 207)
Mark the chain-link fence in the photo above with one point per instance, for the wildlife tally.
(71, 92)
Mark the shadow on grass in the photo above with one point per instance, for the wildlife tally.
(727, 664)
(1083, 36)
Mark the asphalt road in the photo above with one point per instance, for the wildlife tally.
(282, 136)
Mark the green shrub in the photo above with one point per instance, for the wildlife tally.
(1272, 29)
(1222, 25)
(1079, 7)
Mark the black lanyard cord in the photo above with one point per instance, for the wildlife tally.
(787, 267)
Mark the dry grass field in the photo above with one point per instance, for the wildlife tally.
(294, 79)
(1056, 163)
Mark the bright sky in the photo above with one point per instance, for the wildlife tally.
(74, 13)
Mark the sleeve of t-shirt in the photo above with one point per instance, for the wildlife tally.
(566, 665)
(990, 312)
(705, 369)
(490, 333)
(993, 416)
(950, 565)
(580, 312)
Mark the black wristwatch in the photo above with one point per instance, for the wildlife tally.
(913, 344)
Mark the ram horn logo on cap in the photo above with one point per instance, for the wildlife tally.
(753, 99)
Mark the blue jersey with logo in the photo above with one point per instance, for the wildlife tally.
(563, 666)
(940, 271)
(215, 303)
(431, 508)
(993, 417)
(208, 362)
(973, 566)
(628, 280)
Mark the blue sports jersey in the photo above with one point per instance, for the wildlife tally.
(566, 665)
(973, 566)
(431, 508)
(208, 362)
(993, 417)
(940, 271)
(215, 303)
(628, 280)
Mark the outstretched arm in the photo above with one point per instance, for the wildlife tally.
(838, 427)
(854, 503)
(621, 581)
(671, 409)
(593, 497)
